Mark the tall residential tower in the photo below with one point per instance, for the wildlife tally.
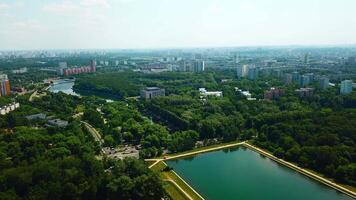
(4, 85)
(346, 87)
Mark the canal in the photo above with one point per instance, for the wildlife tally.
(242, 174)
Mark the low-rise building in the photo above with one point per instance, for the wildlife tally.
(203, 92)
(19, 71)
(36, 116)
(152, 92)
(247, 94)
(57, 122)
(63, 70)
(9, 108)
(273, 94)
(304, 92)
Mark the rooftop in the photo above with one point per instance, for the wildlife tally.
(152, 88)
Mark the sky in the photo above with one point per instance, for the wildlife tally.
(118, 24)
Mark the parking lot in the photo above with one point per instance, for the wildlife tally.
(121, 152)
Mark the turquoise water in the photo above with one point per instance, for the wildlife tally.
(242, 174)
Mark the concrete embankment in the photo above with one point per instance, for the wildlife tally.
(303, 171)
(203, 151)
(190, 187)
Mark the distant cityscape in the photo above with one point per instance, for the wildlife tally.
(246, 66)
(144, 109)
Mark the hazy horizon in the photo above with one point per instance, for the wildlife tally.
(160, 24)
(189, 48)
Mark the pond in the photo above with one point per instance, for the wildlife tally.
(242, 174)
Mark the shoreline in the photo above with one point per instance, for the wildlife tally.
(305, 172)
(205, 151)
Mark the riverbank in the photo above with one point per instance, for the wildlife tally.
(96, 93)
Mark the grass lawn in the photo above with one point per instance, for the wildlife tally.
(149, 163)
(173, 190)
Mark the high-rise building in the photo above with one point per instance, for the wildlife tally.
(288, 79)
(277, 73)
(323, 83)
(346, 87)
(252, 73)
(198, 56)
(304, 80)
(5, 89)
(306, 58)
(242, 71)
(311, 77)
(199, 66)
(236, 59)
(296, 77)
(93, 65)
(182, 66)
(62, 65)
(351, 60)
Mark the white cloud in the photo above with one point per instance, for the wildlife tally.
(65, 8)
(4, 6)
(98, 3)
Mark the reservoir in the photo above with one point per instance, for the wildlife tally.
(242, 174)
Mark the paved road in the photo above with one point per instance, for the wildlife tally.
(181, 189)
(93, 132)
(32, 95)
(194, 152)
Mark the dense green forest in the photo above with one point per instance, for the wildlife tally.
(127, 125)
(61, 164)
(317, 132)
(38, 161)
(128, 84)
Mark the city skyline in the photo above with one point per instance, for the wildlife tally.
(140, 24)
